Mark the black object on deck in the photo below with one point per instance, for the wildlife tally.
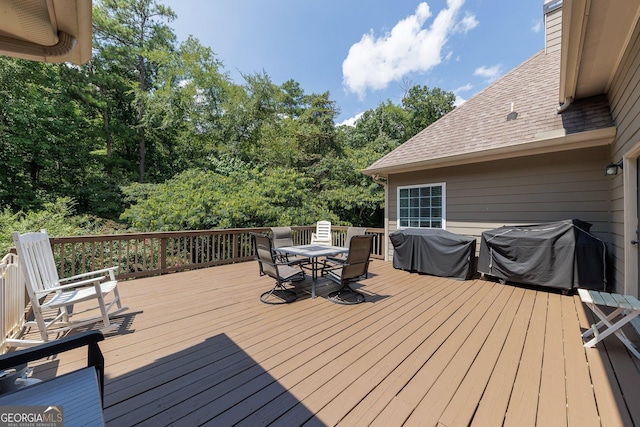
(434, 251)
(562, 255)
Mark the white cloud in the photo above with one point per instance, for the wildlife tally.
(537, 26)
(489, 73)
(460, 100)
(351, 121)
(468, 23)
(374, 62)
(464, 88)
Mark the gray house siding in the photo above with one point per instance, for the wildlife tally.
(525, 190)
(624, 98)
(553, 29)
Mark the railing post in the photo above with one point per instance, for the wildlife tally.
(163, 253)
(234, 246)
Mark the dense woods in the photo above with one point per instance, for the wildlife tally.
(152, 134)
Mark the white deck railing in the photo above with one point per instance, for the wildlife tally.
(12, 300)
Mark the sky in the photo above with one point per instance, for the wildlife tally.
(366, 52)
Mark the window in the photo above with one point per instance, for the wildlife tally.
(421, 206)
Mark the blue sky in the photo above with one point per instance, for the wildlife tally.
(365, 52)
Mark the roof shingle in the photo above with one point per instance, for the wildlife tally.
(481, 124)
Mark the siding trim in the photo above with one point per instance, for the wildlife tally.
(630, 178)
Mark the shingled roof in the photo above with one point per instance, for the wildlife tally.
(479, 127)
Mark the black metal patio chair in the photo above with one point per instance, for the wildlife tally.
(353, 268)
(283, 237)
(282, 273)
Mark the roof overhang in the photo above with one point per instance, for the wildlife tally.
(544, 142)
(46, 30)
(595, 35)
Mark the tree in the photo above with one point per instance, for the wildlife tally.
(45, 139)
(134, 35)
(350, 195)
(250, 111)
(201, 199)
(196, 89)
(225, 154)
(384, 128)
(316, 131)
(425, 106)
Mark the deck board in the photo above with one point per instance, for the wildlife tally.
(524, 399)
(581, 401)
(493, 404)
(462, 406)
(198, 348)
(552, 407)
(436, 400)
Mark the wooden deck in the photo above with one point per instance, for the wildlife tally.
(199, 348)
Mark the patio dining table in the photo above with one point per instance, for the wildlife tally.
(313, 252)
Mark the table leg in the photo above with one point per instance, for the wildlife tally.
(314, 276)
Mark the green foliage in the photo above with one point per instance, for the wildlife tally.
(57, 217)
(200, 199)
(425, 106)
(214, 153)
(45, 140)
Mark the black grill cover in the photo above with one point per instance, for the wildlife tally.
(434, 251)
(561, 255)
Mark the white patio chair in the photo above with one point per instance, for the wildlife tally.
(322, 236)
(53, 299)
(625, 309)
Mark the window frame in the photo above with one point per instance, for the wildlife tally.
(443, 219)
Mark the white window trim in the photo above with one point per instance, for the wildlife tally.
(444, 202)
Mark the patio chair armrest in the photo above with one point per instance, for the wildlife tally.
(335, 261)
(339, 265)
(265, 262)
(90, 273)
(327, 267)
(295, 261)
(70, 285)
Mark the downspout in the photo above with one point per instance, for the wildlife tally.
(563, 107)
(379, 179)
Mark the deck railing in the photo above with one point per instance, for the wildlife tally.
(12, 300)
(149, 254)
(139, 255)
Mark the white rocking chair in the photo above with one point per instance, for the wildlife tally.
(52, 299)
(322, 236)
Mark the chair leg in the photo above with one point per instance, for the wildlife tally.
(278, 295)
(611, 328)
(37, 312)
(346, 295)
(118, 302)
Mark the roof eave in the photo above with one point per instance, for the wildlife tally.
(595, 37)
(544, 142)
(70, 22)
(574, 23)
